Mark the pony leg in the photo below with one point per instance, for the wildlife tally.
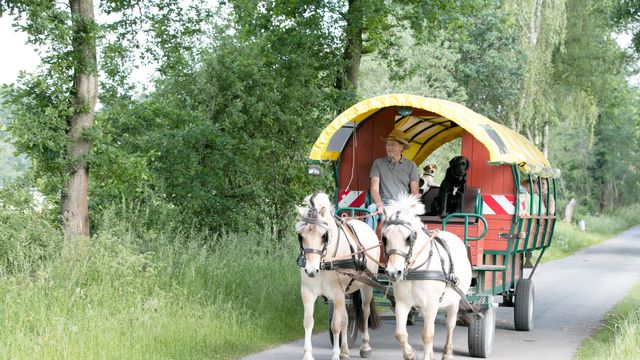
(308, 300)
(429, 329)
(402, 311)
(452, 316)
(367, 297)
(339, 323)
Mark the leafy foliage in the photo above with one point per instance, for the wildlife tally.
(492, 62)
(252, 119)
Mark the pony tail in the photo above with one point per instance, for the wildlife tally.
(374, 321)
(356, 299)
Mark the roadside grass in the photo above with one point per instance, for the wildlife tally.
(619, 337)
(568, 238)
(150, 286)
(160, 293)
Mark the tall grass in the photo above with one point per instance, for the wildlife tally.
(619, 338)
(140, 292)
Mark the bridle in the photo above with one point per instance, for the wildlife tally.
(395, 220)
(312, 218)
(325, 239)
(408, 264)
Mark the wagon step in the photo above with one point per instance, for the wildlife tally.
(490, 267)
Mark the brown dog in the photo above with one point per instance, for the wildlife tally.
(426, 181)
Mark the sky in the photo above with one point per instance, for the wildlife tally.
(16, 55)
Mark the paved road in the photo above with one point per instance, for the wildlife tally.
(572, 296)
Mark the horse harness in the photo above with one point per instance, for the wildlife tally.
(445, 275)
(357, 262)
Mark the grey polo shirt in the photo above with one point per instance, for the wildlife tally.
(394, 177)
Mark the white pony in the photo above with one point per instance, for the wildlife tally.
(327, 244)
(424, 272)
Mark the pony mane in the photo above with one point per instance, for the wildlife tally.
(322, 205)
(405, 204)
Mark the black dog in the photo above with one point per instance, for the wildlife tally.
(449, 199)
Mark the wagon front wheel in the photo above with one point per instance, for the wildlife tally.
(480, 335)
(523, 307)
(352, 327)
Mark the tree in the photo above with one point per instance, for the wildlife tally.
(542, 25)
(596, 145)
(226, 141)
(74, 203)
(78, 39)
(492, 62)
(626, 16)
(372, 26)
(59, 100)
(425, 72)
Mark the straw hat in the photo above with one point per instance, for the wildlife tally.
(399, 136)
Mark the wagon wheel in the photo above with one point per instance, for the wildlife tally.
(523, 309)
(480, 335)
(352, 326)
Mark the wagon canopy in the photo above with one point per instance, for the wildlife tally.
(430, 123)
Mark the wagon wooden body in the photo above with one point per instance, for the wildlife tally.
(501, 224)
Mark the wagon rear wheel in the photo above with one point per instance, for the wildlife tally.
(480, 335)
(352, 326)
(523, 309)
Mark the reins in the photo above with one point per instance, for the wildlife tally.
(359, 217)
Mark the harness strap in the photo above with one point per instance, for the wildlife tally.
(365, 277)
(311, 251)
(432, 235)
(361, 261)
(453, 283)
(338, 264)
(363, 251)
(397, 252)
(426, 275)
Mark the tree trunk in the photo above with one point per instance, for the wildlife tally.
(74, 204)
(568, 211)
(352, 56)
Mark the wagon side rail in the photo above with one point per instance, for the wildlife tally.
(466, 217)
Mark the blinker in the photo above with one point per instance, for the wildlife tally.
(302, 262)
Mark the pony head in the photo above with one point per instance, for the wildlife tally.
(402, 228)
(313, 231)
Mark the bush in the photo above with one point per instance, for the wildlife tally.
(27, 237)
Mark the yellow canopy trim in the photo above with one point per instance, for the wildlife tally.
(427, 133)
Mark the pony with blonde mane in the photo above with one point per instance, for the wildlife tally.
(327, 246)
(429, 270)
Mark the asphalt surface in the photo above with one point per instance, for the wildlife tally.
(572, 295)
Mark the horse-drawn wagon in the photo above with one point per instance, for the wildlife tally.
(508, 206)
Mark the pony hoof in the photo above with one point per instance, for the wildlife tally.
(412, 356)
(365, 353)
(344, 357)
